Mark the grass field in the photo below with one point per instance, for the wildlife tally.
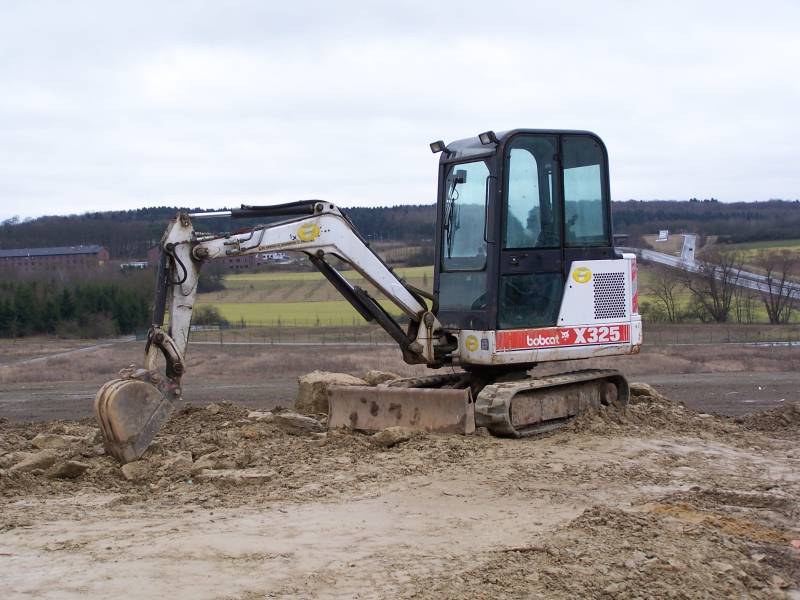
(751, 251)
(244, 279)
(300, 287)
(307, 299)
(299, 299)
(684, 297)
(322, 313)
(768, 245)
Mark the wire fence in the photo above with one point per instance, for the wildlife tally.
(713, 334)
(361, 335)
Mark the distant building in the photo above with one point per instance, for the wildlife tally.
(134, 265)
(272, 257)
(29, 260)
(240, 263)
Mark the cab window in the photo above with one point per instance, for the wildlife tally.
(585, 218)
(462, 280)
(532, 218)
(464, 218)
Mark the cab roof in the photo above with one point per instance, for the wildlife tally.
(472, 147)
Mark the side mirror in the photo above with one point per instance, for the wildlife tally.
(460, 177)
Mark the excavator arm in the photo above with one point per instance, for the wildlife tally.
(132, 408)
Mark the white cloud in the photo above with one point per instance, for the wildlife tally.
(108, 105)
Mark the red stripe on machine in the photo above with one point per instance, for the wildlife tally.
(558, 337)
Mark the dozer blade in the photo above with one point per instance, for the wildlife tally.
(130, 413)
(425, 409)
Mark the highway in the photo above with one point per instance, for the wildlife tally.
(687, 262)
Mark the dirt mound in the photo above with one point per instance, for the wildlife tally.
(648, 409)
(611, 553)
(202, 452)
(375, 377)
(783, 418)
(654, 501)
(312, 390)
(289, 456)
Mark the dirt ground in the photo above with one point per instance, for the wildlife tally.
(691, 497)
(657, 502)
(57, 379)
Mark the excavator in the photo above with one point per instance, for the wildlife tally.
(525, 273)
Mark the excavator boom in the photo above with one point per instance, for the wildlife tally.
(132, 408)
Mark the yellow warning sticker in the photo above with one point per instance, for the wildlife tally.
(582, 275)
(308, 232)
(471, 343)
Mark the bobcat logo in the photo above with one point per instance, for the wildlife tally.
(582, 275)
(308, 232)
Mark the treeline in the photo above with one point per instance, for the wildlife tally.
(83, 309)
(129, 234)
(403, 223)
(733, 222)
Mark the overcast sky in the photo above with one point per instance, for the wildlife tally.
(114, 105)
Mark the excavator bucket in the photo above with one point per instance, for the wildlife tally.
(425, 409)
(130, 413)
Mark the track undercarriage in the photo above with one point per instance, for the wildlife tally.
(515, 406)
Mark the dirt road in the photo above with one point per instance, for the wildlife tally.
(719, 393)
(662, 499)
(61, 384)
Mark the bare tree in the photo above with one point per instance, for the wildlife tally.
(714, 284)
(745, 301)
(666, 285)
(779, 297)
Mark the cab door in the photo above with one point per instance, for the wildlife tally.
(556, 210)
(532, 267)
(462, 266)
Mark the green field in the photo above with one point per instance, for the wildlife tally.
(286, 288)
(684, 297)
(326, 313)
(751, 251)
(307, 299)
(245, 279)
(767, 245)
(299, 299)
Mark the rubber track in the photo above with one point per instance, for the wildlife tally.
(493, 404)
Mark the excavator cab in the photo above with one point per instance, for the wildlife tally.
(515, 211)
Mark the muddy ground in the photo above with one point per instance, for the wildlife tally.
(58, 379)
(657, 502)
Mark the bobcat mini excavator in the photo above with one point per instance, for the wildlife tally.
(525, 273)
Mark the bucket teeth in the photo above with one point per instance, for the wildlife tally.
(130, 413)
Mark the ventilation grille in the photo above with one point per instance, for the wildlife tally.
(609, 296)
